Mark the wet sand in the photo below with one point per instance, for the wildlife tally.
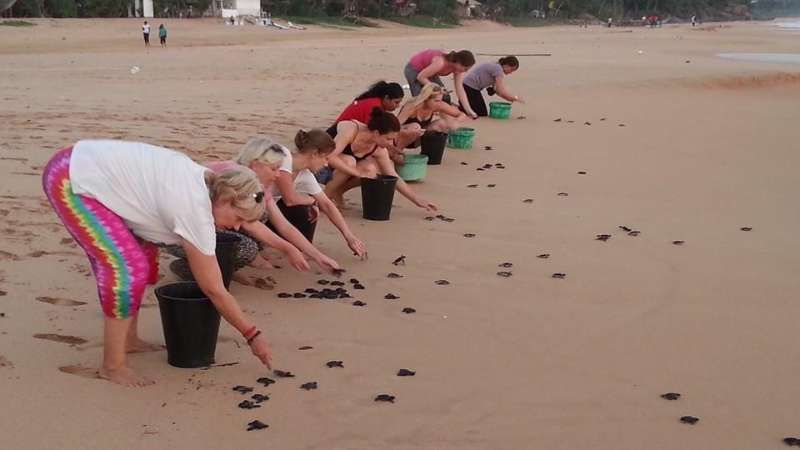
(708, 146)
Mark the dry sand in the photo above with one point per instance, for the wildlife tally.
(527, 362)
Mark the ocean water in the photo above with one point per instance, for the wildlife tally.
(782, 58)
(791, 25)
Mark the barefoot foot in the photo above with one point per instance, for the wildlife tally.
(125, 377)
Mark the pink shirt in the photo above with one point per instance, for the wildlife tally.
(424, 59)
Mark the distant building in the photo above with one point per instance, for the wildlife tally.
(236, 8)
(467, 9)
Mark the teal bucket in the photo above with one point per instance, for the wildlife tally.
(414, 168)
(461, 138)
(499, 110)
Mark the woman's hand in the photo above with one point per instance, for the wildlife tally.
(260, 348)
(297, 260)
(358, 247)
(313, 213)
(327, 263)
(426, 205)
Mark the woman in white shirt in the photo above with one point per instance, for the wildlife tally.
(119, 200)
(299, 195)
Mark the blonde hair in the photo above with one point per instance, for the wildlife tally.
(240, 187)
(261, 148)
(428, 91)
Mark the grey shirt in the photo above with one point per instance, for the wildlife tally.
(483, 75)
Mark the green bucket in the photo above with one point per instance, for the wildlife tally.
(461, 138)
(414, 168)
(499, 110)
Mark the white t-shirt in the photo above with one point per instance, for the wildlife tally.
(146, 29)
(286, 165)
(304, 183)
(161, 194)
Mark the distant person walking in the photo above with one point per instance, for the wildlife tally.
(162, 34)
(694, 21)
(146, 33)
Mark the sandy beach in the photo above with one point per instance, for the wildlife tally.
(675, 142)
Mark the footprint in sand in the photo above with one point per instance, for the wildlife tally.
(85, 372)
(71, 340)
(5, 362)
(8, 256)
(60, 301)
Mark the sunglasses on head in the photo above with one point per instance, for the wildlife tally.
(259, 196)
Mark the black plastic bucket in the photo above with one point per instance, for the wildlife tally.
(190, 322)
(433, 145)
(298, 216)
(226, 251)
(377, 195)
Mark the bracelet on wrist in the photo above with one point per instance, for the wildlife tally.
(250, 332)
(251, 338)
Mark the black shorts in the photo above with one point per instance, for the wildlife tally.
(476, 102)
(146, 38)
(164, 40)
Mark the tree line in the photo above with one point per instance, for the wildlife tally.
(443, 10)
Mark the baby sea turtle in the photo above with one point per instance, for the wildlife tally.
(265, 381)
(332, 364)
(315, 295)
(559, 275)
(354, 281)
(488, 147)
(337, 283)
(505, 265)
(256, 425)
(409, 310)
(563, 194)
(464, 163)
(358, 286)
(634, 233)
(429, 218)
(283, 374)
(625, 229)
(488, 166)
(621, 125)
(399, 261)
(491, 185)
(448, 219)
(393, 275)
(528, 200)
(284, 295)
(479, 169)
(746, 228)
(581, 172)
(671, 396)
(258, 398)
(247, 404)
(299, 295)
(587, 123)
(543, 256)
(338, 272)
(310, 386)
(242, 389)
(469, 235)
(472, 185)
(678, 242)
(390, 297)
(261, 283)
(570, 121)
(442, 282)
(406, 373)
(602, 237)
(791, 441)
(504, 274)
(306, 347)
(311, 291)
(691, 420)
(359, 303)
(323, 282)
(385, 398)
(602, 119)
(557, 120)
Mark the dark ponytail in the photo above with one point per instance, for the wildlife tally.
(383, 89)
(510, 61)
(383, 122)
(463, 57)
